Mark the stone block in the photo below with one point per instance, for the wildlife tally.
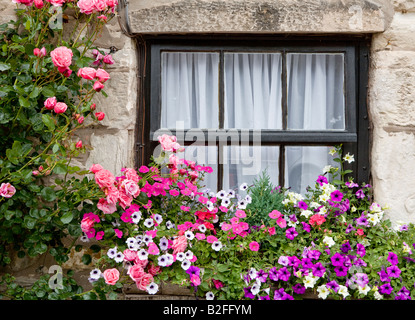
(392, 89)
(393, 158)
(259, 16)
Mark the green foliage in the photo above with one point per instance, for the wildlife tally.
(265, 198)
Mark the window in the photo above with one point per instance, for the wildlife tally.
(247, 106)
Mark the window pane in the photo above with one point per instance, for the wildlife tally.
(205, 156)
(252, 90)
(303, 165)
(244, 164)
(315, 91)
(189, 89)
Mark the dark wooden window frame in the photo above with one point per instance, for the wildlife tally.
(355, 138)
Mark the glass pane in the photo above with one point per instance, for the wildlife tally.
(253, 90)
(303, 165)
(205, 156)
(189, 90)
(242, 164)
(315, 91)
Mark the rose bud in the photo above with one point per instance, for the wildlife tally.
(81, 119)
(92, 107)
(100, 116)
(78, 144)
(108, 59)
(98, 86)
(87, 73)
(102, 75)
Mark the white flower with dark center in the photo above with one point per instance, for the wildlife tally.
(186, 264)
(148, 223)
(119, 257)
(136, 216)
(142, 254)
(210, 206)
(95, 274)
(210, 295)
(162, 260)
(225, 202)
(169, 225)
(158, 218)
(231, 194)
(180, 256)
(243, 186)
(147, 239)
(152, 288)
(189, 255)
(164, 244)
(255, 288)
(248, 199)
(84, 238)
(221, 194)
(202, 228)
(170, 259)
(242, 204)
(252, 273)
(112, 252)
(189, 235)
(217, 245)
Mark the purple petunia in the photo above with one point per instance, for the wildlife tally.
(360, 250)
(349, 228)
(273, 274)
(393, 258)
(362, 220)
(337, 259)
(248, 293)
(262, 275)
(393, 271)
(318, 270)
(333, 285)
(336, 196)
(360, 194)
(284, 274)
(302, 205)
(384, 277)
(361, 279)
(314, 254)
(299, 288)
(279, 293)
(385, 288)
(322, 180)
(291, 233)
(341, 271)
(345, 248)
(306, 226)
(193, 270)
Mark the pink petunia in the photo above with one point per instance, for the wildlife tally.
(254, 246)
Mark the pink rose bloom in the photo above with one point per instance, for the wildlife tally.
(254, 246)
(179, 244)
(112, 194)
(106, 207)
(104, 178)
(95, 168)
(102, 75)
(168, 143)
(125, 199)
(60, 107)
(131, 174)
(108, 59)
(141, 263)
(38, 4)
(25, 2)
(7, 190)
(98, 86)
(86, 6)
(130, 255)
(87, 73)
(131, 188)
(144, 281)
(153, 269)
(56, 3)
(100, 5)
(111, 3)
(62, 57)
(50, 103)
(135, 272)
(87, 224)
(111, 276)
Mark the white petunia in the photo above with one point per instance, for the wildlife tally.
(309, 282)
(343, 291)
(363, 290)
(189, 235)
(95, 274)
(180, 256)
(169, 225)
(148, 222)
(186, 264)
(189, 255)
(112, 252)
(323, 292)
(202, 228)
(243, 186)
(217, 245)
(306, 213)
(142, 254)
(349, 158)
(152, 288)
(255, 288)
(119, 257)
(210, 295)
(328, 241)
(136, 216)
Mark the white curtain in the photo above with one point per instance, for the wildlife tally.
(253, 90)
(190, 89)
(252, 100)
(315, 100)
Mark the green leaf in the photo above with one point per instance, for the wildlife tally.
(48, 194)
(48, 121)
(35, 93)
(4, 66)
(24, 102)
(67, 217)
(29, 222)
(86, 259)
